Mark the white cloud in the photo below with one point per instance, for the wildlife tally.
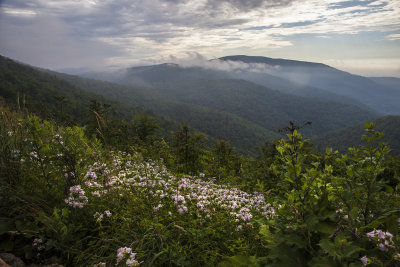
(19, 12)
(393, 36)
(135, 30)
(368, 66)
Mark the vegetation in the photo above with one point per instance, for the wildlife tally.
(224, 106)
(110, 191)
(70, 197)
(343, 138)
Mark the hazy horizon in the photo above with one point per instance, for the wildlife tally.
(361, 37)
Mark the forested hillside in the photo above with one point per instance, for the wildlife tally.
(216, 123)
(383, 99)
(347, 137)
(264, 106)
(72, 199)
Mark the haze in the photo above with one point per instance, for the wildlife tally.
(362, 37)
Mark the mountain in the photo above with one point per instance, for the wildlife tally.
(268, 108)
(218, 124)
(295, 88)
(211, 101)
(388, 82)
(351, 136)
(43, 93)
(40, 90)
(361, 89)
(191, 94)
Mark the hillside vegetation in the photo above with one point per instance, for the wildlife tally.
(83, 185)
(374, 93)
(71, 199)
(350, 136)
(252, 102)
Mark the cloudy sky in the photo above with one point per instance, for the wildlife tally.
(361, 36)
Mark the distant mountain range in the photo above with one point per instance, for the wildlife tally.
(241, 99)
(311, 80)
(222, 90)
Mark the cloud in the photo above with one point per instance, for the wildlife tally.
(19, 12)
(246, 5)
(46, 41)
(393, 37)
(138, 30)
(368, 66)
(191, 60)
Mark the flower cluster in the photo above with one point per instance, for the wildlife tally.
(126, 252)
(364, 260)
(189, 195)
(99, 216)
(384, 239)
(76, 197)
(38, 244)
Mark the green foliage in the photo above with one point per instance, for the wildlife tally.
(67, 196)
(329, 203)
(350, 136)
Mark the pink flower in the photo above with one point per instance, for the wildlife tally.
(383, 247)
(364, 260)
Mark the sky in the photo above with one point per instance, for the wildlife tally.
(362, 37)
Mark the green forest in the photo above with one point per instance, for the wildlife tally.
(87, 179)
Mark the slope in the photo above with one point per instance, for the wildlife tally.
(361, 89)
(350, 136)
(50, 97)
(244, 134)
(268, 108)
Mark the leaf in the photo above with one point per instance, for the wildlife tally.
(356, 264)
(294, 239)
(354, 212)
(328, 150)
(326, 228)
(328, 246)
(240, 260)
(65, 212)
(311, 221)
(321, 262)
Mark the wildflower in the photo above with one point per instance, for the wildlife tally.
(108, 213)
(98, 216)
(96, 193)
(364, 260)
(100, 264)
(381, 234)
(37, 241)
(76, 197)
(383, 247)
(339, 211)
(131, 261)
(38, 244)
(371, 234)
(125, 251)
